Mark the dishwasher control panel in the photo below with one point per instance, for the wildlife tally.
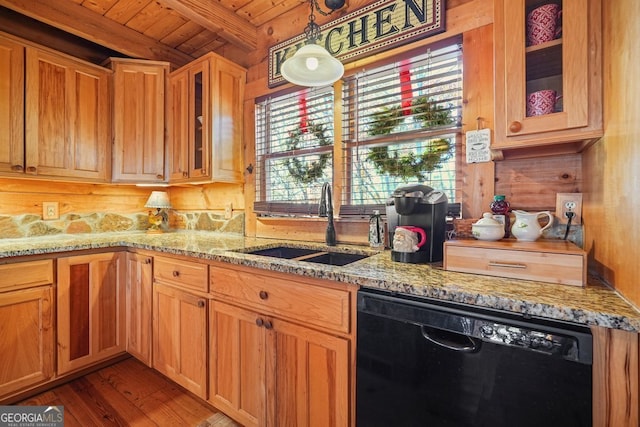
(526, 338)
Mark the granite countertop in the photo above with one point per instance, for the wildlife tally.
(595, 304)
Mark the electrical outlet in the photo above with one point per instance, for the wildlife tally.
(566, 202)
(50, 210)
(228, 210)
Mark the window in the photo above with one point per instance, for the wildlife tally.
(400, 125)
(294, 151)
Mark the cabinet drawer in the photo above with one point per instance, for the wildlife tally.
(26, 274)
(181, 273)
(566, 265)
(293, 299)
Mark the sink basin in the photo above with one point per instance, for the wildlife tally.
(336, 258)
(285, 252)
(310, 255)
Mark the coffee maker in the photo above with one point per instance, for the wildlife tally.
(419, 206)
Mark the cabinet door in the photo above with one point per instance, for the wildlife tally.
(199, 121)
(228, 81)
(11, 106)
(68, 118)
(179, 125)
(139, 121)
(308, 373)
(26, 338)
(569, 65)
(180, 337)
(91, 321)
(138, 306)
(237, 363)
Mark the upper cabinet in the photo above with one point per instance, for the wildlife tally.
(139, 120)
(206, 99)
(548, 82)
(11, 106)
(68, 117)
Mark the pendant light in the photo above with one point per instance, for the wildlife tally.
(312, 64)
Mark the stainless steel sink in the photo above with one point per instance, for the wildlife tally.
(310, 255)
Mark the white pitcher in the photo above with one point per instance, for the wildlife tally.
(526, 227)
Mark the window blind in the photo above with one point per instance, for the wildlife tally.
(294, 151)
(400, 125)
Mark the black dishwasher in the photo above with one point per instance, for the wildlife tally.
(424, 363)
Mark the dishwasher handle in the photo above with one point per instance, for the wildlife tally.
(451, 340)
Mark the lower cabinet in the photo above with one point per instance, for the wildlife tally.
(180, 323)
(138, 306)
(269, 366)
(26, 325)
(91, 315)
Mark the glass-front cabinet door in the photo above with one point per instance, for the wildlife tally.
(200, 122)
(548, 71)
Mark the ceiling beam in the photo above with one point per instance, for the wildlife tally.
(80, 21)
(217, 19)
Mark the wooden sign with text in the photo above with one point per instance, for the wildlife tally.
(377, 27)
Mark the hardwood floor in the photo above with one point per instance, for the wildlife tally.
(129, 394)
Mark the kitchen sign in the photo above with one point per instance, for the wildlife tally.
(380, 26)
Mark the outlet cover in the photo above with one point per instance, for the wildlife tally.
(228, 211)
(566, 202)
(50, 210)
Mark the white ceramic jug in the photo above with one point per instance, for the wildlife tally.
(526, 227)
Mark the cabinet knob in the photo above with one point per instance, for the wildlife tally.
(32, 169)
(201, 303)
(185, 174)
(160, 176)
(16, 168)
(263, 295)
(176, 273)
(259, 321)
(147, 260)
(268, 324)
(515, 127)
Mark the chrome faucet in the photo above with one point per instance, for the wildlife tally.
(325, 209)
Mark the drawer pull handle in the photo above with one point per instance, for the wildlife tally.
(176, 273)
(263, 295)
(268, 324)
(147, 261)
(200, 303)
(506, 264)
(259, 321)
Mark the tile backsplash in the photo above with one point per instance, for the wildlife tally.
(17, 226)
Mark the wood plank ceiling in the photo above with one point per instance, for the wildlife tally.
(170, 30)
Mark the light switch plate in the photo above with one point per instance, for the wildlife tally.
(50, 210)
(228, 210)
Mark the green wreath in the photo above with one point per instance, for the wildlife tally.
(307, 172)
(410, 165)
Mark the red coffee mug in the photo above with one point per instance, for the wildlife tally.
(420, 231)
(542, 102)
(543, 24)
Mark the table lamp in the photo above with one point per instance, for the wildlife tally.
(160, 201)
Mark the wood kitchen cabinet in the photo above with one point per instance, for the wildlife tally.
(139, 118)
(280, 349)
(11, 106)
(26, 325)
(138, 297)
(68, 117)
(206, 117)
(180, 322)
(571, 65)
(91, 315)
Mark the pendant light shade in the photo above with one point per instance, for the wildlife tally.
(312, 65)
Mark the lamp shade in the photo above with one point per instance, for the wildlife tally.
(312, 65)
(158, 199)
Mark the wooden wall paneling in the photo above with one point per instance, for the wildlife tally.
(474, 182)
(207, 197)
(532, 184)
(19, 197)
(612, 165)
